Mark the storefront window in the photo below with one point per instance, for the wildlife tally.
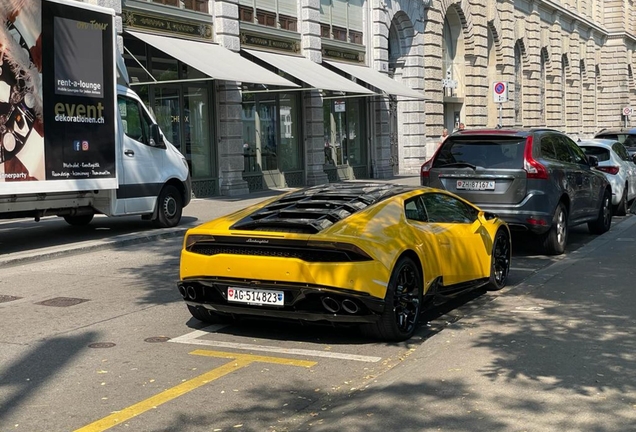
(164, 67)
(289, 149)
(344, 132)
(270, 132)
(196, 122)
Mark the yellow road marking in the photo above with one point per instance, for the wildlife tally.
(239, 361)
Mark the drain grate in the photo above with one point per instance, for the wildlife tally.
(62, 301)
(156, 339)
(101, 345)
(8, 298)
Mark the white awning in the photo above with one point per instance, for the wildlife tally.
(377, 80)
(309, 72)
(213, 60)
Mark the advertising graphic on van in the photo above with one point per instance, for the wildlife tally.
(56, 75)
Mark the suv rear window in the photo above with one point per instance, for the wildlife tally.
(486, 152)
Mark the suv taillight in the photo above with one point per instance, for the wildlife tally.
(425, 171)
(534, 169)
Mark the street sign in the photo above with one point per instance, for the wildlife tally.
(500, 91)
(628, 111)
(339, 106)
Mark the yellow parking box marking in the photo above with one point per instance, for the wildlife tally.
(256, 358)
(239, 361)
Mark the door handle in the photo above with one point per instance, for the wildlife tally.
(129, 153)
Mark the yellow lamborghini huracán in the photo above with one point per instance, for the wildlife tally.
(364, 253)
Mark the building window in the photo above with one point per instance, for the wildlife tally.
(342, 20)
(278, 14)
(193, 5)
(564, 102)
(543, 80)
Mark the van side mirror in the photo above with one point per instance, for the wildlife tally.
(156, 139)
(592, 160)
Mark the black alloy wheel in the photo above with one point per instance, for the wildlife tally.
(500, 261)
(403, 302)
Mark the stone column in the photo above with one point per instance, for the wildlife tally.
(433, 75)
(312, 100)
(230, 124)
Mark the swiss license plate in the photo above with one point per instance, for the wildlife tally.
(255, 296)
(476, 185)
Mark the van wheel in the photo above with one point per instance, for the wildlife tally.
(169, 208)
(554, 241)
(604, 221)
(79, 220)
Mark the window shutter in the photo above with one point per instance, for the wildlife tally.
(356, 14)
(325, 11)
(339, 13)
(288, 7)
(266, 5)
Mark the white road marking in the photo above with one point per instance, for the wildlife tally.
(192, 338)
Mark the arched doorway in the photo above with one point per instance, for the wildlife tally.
(453, 68)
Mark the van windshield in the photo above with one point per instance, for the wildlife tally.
(486, 152)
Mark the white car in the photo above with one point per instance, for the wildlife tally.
(619, 168)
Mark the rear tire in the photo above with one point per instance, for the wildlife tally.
(621, 207)
(207, 316)
(402, 304)
(79, 220)
(169, 208)
(500, 261)
(604, 221)
(555, 240)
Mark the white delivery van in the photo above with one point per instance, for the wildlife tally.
(74, 143)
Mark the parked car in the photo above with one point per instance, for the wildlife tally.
(536, 180)
(359, 253)
(618, 167)
(625, 136)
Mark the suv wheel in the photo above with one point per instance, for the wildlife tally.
(604, 221)
(554, 241)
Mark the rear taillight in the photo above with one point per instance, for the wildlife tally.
(609, 169)
(425, 171)
(534, 169)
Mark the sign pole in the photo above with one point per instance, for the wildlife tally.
(500, 114)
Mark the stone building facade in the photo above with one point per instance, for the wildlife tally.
(565, 64)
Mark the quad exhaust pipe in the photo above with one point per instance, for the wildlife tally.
(334, 306)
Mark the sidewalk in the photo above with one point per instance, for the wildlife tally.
(555, 353)
(197, 212)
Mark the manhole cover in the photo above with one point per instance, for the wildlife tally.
(8, 298)
(62, 301)
(156, 339)
(101, 345)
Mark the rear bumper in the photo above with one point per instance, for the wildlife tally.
(533, 214)
(302, 302)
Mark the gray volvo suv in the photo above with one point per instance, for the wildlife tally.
(537, 180)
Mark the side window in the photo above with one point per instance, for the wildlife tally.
(442, 208)
(629, 141)
(562, 151)
(577, 153)
(621, 151)
(134, 120)
(414, 210)
(547, 147)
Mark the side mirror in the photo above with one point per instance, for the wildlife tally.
(592, 160)
(155, 136)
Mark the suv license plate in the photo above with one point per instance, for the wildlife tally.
(255, 296)
(475, 185)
